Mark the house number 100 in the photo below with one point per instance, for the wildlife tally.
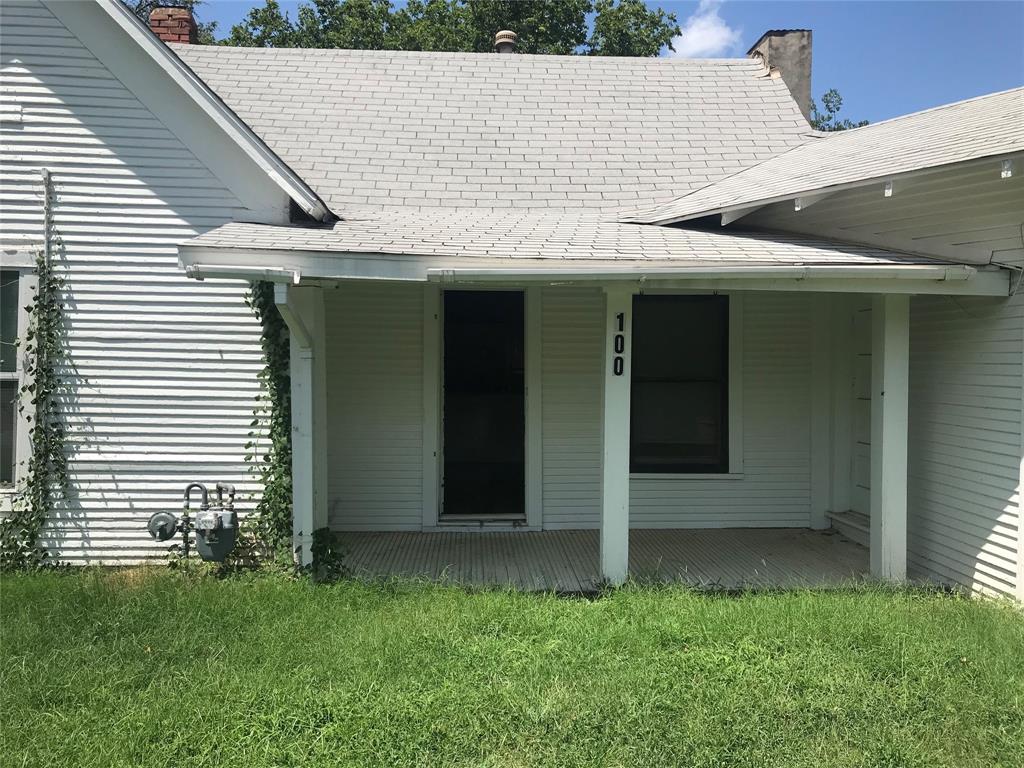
(618, 362)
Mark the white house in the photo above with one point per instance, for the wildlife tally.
(528, 296)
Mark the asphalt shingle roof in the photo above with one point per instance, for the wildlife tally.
(398, 129)
(982, 127)
(554, 240)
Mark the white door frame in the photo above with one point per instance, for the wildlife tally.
(433, 404)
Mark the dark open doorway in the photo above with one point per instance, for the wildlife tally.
(484, 404)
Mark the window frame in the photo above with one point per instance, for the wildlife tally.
(24, 264)
(734, 427)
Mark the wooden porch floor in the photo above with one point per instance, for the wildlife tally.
(567, 561)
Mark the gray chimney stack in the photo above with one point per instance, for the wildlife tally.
(788, 52)
(505, 41)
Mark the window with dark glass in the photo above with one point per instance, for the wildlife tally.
(8, 372)
(679, 409)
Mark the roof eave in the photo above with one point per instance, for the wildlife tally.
(279, 265)
(276, 169)
(650, 215)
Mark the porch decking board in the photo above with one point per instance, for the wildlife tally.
(567, 561)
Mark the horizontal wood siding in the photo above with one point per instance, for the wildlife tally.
(375, 406)
(163, 369)
(774, 490)
(572, 386)
(860, 481)
(966, 375)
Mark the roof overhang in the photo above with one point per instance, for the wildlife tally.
(297, 266)
(802, 196)
(81, 18)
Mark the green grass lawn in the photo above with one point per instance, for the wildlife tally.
(150, 668)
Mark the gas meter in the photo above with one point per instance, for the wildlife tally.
(215, 525)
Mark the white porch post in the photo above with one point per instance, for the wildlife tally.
(615, 435)
(303, 311)
(890, 373)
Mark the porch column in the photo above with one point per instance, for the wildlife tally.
(890, 373)
(302, 308)
(615, 435)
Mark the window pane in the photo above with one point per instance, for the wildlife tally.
(8, 411)
(8, 319)
(680, 391)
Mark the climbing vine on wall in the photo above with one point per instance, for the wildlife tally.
(45, 477)
(270, 444)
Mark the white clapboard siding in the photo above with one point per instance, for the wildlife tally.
(774, 489)
(374, 353)
(163, 369)
(966, 379)
(860, 481)
(572, 385)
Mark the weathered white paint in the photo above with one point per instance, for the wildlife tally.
(614, 537)
(966, 412)
(375, 363)
(773, 358)
(232, 258)
(890, 350)
(163, 369)
(571, 360)
(841, 342)
(773, 489)
(736, 366)
(196, 115)
(861, 407)
(963, 212)
(302, 308)
(821, 407)
(534, 408)
(431, 405)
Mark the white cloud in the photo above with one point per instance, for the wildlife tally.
(705, 34)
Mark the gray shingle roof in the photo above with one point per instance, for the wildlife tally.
(375, 129)
(555, 241)
(982, 127)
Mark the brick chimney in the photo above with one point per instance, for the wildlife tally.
(173, 24)
(787, 54)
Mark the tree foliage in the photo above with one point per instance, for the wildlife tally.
(827, 118)
(621, 27)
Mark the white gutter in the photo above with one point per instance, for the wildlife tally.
(233, 272)
(956, 272)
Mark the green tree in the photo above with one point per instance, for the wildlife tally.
(621, 27)
(264, 27)
(631, 29)
(827, 118)
(206, 32)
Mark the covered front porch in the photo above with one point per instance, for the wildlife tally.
(799, 408)
(567, 561)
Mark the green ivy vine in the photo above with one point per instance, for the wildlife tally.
(46, 473)
(270, 441)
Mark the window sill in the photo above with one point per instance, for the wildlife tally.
(686, 476)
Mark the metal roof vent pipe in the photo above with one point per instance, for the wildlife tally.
(505, 41)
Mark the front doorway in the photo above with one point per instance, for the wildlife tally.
(484, 406)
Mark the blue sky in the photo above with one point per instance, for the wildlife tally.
(885, 58)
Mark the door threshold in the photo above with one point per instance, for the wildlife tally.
(495, 527)
(504, 519)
